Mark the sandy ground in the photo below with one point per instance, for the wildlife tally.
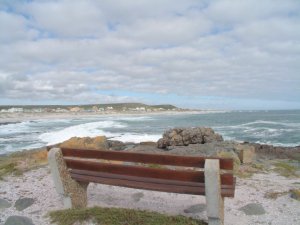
(37, 184)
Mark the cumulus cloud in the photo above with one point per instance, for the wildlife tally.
(76, 51)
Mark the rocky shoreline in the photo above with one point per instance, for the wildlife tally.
(267, 190)
(186, 141)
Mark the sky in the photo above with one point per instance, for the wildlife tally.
(227, 54)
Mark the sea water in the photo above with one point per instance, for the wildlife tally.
(281, 128)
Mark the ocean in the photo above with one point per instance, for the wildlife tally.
(280, 128)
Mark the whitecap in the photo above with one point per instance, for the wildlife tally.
(268, 122)
(136, 138)
(92, 129)
(15, 128)
(136, 118)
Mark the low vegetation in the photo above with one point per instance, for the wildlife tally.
(285, 169)
(118, 216)
(19, 162)
(275, 194)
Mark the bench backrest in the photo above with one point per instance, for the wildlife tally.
(92, 166)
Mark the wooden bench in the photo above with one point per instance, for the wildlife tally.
(73, 169)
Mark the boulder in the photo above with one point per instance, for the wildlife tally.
(195, 208)
(18, 220)
(23, 203)
(253, 209)
(137, 196)
(4, 203)
(99, 142)
(116, 145)
(186, 136)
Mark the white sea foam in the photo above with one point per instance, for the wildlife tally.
(268, 122)
(15, 128)
(136, 138)
(83, 130)
(135, 118)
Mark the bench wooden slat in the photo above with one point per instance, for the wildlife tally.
(148, 185)
(172, 160)
(139, 171)
(153, 180)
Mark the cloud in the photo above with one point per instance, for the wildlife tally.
(14, 27)
(73, 51)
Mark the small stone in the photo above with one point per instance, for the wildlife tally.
(295, 194)
(195, 208)
(18, 220)
(23, 203)
(253, 209)
(4, 204)
(137, 196)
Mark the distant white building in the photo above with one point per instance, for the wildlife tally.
(140, 109)
(15, 110)
(37, 110)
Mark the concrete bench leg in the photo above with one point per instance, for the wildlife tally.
(74, 194)
(214, 200)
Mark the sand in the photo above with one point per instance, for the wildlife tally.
(38, 184)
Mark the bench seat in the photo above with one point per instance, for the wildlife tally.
(74, 169)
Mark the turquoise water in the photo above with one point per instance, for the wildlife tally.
(269, 127)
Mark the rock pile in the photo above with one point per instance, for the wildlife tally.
(186, 136)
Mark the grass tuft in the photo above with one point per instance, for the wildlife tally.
(275, 194)
(19, 162)
(8, 167)
(118, 216)
(285, 169)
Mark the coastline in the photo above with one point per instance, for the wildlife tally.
(21, 117)
(261, 184)
(34, 119)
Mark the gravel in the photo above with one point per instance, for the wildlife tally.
(38, 185)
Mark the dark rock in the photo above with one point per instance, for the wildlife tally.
(4, 204)
(276, 152)
(137, 196)
(295, 194)
(116, 145)
(196, 208)
(206, 149)
(145, 148)
(253, 209)
(186, 136)
(151, 143)
(23, 203)
(18, 220)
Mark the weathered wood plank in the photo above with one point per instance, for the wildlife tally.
(139, 171)
(147, 185)
(172, 160)
(153, 180)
